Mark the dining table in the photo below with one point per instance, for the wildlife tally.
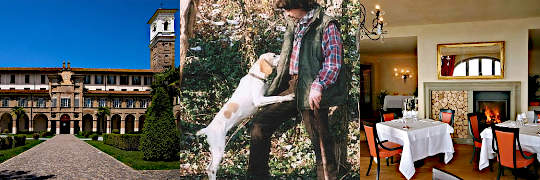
(529, 139)
(420, 138)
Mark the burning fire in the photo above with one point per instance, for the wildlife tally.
(492, 115)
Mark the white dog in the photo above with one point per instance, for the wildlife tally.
(248, 96)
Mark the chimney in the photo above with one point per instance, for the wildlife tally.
(69, 65)
(64, 64)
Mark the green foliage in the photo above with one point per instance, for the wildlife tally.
(46, 134)
(116, 131)
(6, 142)
(94, 137)
(128, 142)
(35, 136)
(5, 131)
(18, 112)
(19, 140)
(134, 159)
(102, 112)
(86, 134)
(209, 79)
(160, 139)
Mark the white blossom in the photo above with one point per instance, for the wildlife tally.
(219, 23)
(233, 22)
(281, 28)
(264, 16)
(215, 12)
(198, 48)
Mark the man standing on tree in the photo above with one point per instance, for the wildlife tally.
(310, 66)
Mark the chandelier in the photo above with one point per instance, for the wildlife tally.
(375, 31)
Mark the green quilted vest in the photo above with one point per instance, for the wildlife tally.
(310, 63)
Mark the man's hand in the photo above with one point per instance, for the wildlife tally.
(314, 99)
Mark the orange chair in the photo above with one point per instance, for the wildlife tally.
(504, 143)
(474, 129)
(447, 116)
(379, 149)
(388, 116)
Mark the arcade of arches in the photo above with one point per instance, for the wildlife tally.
(129, 123)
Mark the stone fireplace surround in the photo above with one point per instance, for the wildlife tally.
(459, 96)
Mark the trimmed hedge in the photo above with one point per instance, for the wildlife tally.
(46, 133)
(94, 137)
(128, 142)
(35, 136)
(6, 142)
(20, 140)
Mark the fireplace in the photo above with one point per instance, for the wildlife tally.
(495, 105)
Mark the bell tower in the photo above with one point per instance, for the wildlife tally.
(162, 39)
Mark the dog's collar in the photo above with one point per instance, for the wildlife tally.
(258, 77)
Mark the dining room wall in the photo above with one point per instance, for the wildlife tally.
(513, 31)
(383, 73)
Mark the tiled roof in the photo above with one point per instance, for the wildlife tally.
(21, 91)
(105, 70)
(119, 92)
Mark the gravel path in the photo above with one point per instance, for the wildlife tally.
(66, 157)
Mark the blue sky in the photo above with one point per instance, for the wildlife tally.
(88, 33)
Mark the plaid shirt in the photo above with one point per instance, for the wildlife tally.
(331, 48)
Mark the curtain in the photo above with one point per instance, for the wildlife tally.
(448, 63)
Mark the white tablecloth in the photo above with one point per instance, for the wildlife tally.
(394, 101)
(424, 138)
(528, 138)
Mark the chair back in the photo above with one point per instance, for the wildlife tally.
(371, 136)
(505, 142)
(388, 116)
(536, 116)
(474, 126)
(447, 116)
(439, 174)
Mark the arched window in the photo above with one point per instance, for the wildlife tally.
(478, 66)
(166, 25)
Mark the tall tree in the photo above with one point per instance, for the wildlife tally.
(102, 112)
(18, 112)
(160, 139)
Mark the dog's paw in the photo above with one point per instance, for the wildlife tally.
(289, 97)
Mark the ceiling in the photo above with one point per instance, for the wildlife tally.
(394, 45)
(417, 12)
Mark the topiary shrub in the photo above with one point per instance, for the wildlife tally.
(160, 139)
(5, 131)
(20, 140)
(86, 134)
(116, 131)
(128, 142)
(4, 143)
(94, 137)
(35, 136)
(46, 134)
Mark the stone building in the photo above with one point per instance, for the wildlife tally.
(66, 100)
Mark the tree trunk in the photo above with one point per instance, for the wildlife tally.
(339, 119)
(188, 12)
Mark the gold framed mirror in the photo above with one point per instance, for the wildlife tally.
(478, 60)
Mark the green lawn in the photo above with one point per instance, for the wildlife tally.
(134, 159)
(9, 153)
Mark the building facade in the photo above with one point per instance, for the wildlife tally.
(66, 100)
